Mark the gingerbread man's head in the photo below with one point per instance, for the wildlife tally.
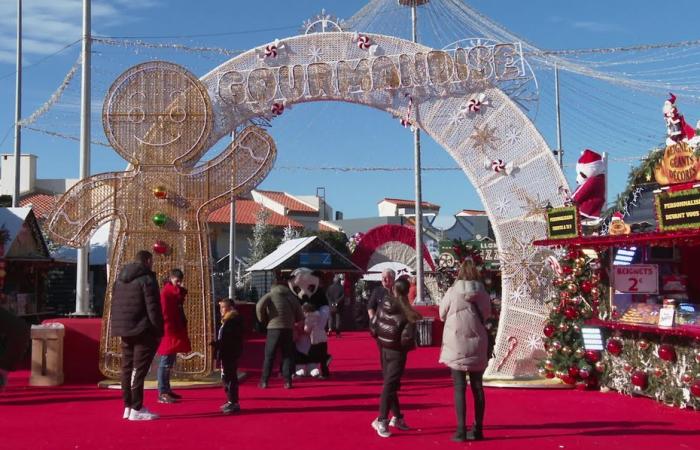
(158, 113)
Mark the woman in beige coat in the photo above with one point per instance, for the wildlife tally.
(464, 308)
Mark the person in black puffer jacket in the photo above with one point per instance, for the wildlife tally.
(138, 319)
(394, 328)
(228, 347)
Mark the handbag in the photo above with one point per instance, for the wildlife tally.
(491, 337)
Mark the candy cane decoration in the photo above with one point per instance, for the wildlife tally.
(512, 343)
(277, 109)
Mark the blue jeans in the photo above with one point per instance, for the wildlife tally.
(166, 363)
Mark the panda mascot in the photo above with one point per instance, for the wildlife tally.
(311, 341)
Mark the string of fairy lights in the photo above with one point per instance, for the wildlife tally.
(617, 91)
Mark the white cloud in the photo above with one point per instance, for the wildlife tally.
(49, 25)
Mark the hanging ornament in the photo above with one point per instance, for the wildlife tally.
(695, 388)
(566, 350)
(160, 247)
(592, 356)
(573, 253)
(572, 288)
(563, 327)
(580, 353)
(687, 378)
(549, 330)
(614, 347)
(586, 286)
(600, 366)
(556, 345)
(577, 328)
(549, 375)
(570, 312)
(159, 192)
(567, 271)
(643, 344)
(564, 296)
(595, 292)
(627, 367)
(277, 109)
(659, 372)
(499, 166)
(406, 120)
(584, 372)
(159, 219)
(573, 371)
(548, 364)
(542, 371)
(580, 261)
(639, 379)
(667, 352)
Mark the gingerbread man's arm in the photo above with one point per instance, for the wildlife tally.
(84, 207)
(241, 167)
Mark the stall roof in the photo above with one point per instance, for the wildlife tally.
(99, 244)
(312, 252)
(659, 238)
(24, 238)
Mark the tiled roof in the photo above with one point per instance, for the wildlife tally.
(246, 211)
(471, 212)
(289, 202)
(42, 204)
(409, 203)
(327, 226)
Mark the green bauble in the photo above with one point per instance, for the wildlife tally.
(159, 219)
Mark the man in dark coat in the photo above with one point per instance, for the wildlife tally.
(138, 319)
(228, 347)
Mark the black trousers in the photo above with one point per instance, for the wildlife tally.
(137, 355)
(476, 381)
(282, 338)
(230, 379)
(318, 353)
(393, 365)
(14, 339)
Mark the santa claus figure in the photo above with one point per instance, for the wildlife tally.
(590, 193)
(676, 127)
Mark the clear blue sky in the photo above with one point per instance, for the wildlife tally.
(321, 134)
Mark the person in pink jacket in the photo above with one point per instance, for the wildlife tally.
(464, 308)
(175, 339)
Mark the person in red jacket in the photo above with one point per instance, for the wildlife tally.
(175, 339)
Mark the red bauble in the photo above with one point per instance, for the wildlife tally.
(567, 270)
(584, 373)
(614, 347)
(695, 388)
(549, 330)
(549, 375)
(639, 379)
(586, 286)
(160, 247)
(573, 254)
(573, 372)
(667, 352)
(592, 356)
(570, 312)
(160, 192)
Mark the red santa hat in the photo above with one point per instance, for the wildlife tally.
(590, 163)
(617, 216)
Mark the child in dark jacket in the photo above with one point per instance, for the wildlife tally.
(228, 347)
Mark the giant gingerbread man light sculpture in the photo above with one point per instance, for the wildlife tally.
(158, 117)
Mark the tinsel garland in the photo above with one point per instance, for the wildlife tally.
(669, 382)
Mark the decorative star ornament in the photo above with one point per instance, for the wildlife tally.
(534, 342)
(513, 134)
(315, 54)
(502, 205)
(484, 137)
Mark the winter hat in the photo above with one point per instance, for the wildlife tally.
(589, 164)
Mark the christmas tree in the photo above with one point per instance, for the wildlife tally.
(576, 299)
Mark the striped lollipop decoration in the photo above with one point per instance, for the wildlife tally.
(499, 166)
(477, 102)
(362, 41)
(271, 51)
(277, 109)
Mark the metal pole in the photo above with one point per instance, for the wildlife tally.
(232, 240)
(417, 176)
(560, 150)
(82, 294)
(18, 105)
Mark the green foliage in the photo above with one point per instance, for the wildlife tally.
(664, 378)
(335, 239)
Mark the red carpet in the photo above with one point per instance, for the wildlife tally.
(336, 414)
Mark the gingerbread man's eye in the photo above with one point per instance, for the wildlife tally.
(177, 114)
(136, 114)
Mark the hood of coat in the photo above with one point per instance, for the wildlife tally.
(132, 271)
(467, 287)
(170, 288)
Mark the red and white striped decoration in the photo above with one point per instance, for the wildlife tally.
(476, 103)
(364, 42)
(406, 120)
(271, 51)
(499, 166)
(277, 109)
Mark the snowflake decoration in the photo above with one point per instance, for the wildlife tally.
(534, 342)
(484, 137)
(519, 294)
(456, 118)
(525, 266)
(315, 54)
(502, 205)
(531, 207)
(513, 135)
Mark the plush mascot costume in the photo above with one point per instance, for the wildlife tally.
(590, 193)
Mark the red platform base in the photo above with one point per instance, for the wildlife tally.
(81, 350)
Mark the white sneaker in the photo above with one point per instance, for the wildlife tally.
(142, 414)
(400, 423)
(301, 373)
(315, 373)
(127, 411)
(381, 428)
